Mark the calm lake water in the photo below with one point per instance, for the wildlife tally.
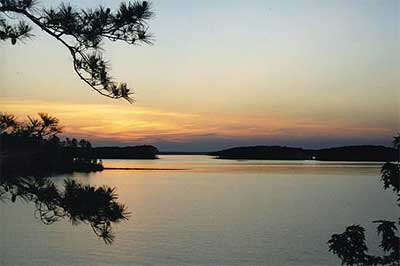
(214, 212)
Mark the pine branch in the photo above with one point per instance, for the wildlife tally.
(82, 32)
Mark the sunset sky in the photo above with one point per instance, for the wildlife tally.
(226, 73)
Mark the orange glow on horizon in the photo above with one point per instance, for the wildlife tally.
(125, 124)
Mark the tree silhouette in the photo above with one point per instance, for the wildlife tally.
(45, 126)
(82, 32)
(33, 146)
(351, 246)
(396, 144)
(396, 141)
(30, 151)
(8, 122)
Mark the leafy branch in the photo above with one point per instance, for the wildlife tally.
(82, 32)
(350, 246)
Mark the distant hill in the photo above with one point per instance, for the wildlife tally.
(346, 153)
(355, 153)
(129, 152)
(261, 153)
(183, 153)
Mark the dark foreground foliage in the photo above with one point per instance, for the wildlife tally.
(33, 147)
(350, 246)
(31, 151)
(81, 32)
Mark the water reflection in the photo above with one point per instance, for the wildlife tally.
(216, 213)
(95, 206)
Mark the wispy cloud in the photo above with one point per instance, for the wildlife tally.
(131, 124)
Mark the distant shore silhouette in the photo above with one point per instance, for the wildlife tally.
(345, 153)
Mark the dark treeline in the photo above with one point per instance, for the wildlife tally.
(31, 151)
(355, 153)
(33, 147)
(347, 153)
(261, 153)
(130, 152)
(183, 153)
